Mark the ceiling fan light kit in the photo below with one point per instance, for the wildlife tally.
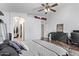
(47, 10)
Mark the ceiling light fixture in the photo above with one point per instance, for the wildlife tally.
(47, 7)
(47, 10)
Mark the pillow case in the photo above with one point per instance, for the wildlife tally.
(20, 46)
(15, 46)
(12, 44)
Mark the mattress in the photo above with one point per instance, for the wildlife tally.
(42, 48)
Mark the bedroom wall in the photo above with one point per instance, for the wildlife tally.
(67, 14)
(33, 28)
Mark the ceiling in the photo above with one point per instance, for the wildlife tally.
(30, 8)
(20, 7)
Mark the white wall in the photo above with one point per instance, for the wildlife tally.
(68, 14)
(33, 28)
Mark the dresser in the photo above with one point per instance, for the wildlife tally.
(61, 36)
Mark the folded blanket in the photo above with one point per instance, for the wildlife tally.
(18, 47)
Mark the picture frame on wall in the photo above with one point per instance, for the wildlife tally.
(59, 27)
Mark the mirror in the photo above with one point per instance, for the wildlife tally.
(60, 27)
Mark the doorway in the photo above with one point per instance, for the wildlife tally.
(19, 28)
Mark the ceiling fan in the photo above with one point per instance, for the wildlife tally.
(47, 7)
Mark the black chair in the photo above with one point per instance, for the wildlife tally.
(75, 38)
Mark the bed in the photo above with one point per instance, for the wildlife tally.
(42, 48)
(31, 48)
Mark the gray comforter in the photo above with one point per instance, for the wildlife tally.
(43, 48)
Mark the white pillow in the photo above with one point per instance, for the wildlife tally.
(22, 43)
(1, 42)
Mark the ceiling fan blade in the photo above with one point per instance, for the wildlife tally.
(40, 10)
(54, 5)
(43, 5)
(53, 10)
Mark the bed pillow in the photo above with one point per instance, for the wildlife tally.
(20, 46)
(12, 44)
(15, 46)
